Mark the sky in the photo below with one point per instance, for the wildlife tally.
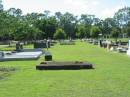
(100, 8)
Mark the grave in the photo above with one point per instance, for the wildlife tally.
(20, 54)
(64, 66)
(15, 56)
(128, 51)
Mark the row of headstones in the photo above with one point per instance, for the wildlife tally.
(44, 44)
(115, 46)
(37, 44)
(67, 42)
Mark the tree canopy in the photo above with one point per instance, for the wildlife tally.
(16, 26)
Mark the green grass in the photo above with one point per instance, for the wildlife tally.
(110, 78)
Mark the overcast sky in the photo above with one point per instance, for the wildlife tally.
(100, 8)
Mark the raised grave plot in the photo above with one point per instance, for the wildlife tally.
(64, 66)
(14, 56)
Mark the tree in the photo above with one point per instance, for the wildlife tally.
(60, 34)
(81, 31)
(1, 6)
(107, 25)
(68, 24)
(122, 17)
(47, 12)
(47, 26)
(14, 12)
(128, 31)
(95, 31)
(26, 32)
(88, 21)
(58, 15)
(115, 33)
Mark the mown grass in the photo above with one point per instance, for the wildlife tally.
(110, 78)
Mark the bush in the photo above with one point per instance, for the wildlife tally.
(60, 34)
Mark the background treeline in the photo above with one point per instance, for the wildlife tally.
(38, 26)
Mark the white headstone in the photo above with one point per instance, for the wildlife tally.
(128, 52)
(129, 44)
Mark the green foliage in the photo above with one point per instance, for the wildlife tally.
(14, 25)
(128, 31)
(95, 31)
(115, 32)
(1, 6)
(122, 17)
(60, 34)
(81, 31)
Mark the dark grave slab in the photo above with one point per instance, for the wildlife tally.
(64, 66)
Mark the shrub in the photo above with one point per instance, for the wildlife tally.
(60, 34)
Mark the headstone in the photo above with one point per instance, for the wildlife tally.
(41, 45)
(1, 54)
(129, 44)
(109, 44)
(100, 43)
(48, 56)
(19, 47)
(128, 51)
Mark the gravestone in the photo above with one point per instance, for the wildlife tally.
(128, 52)
(100, 43)
(48, 56)
(1, 54)
(19, 46)
(129, 44)
(42, 44)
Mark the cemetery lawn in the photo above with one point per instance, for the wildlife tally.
(110, 78)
